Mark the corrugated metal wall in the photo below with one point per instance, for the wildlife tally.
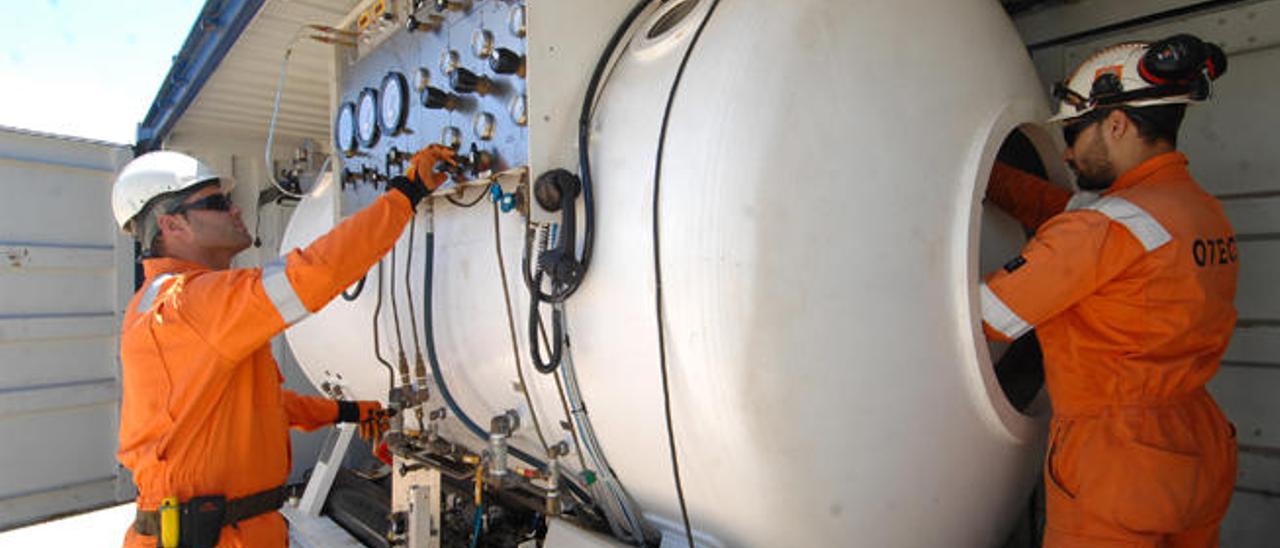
(66, 272)
(1235, 154)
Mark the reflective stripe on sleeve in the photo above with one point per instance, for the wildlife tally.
(152, 290)
(1141, 224)
(999, 316)
(278, 288)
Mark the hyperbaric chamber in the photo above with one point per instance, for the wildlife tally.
(818, 210)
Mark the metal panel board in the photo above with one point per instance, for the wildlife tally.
(1248, 397)
(1260, 471)
(65, 273)
(55, 192)
(38, 363)
(50, 450)
(1254, 217)
(1251, 521)
(1257, 298)
(1231, 139)
(1043, 25)
(77, 292)
(1254, 347)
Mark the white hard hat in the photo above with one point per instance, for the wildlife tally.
(1178, 69)
(154, 174)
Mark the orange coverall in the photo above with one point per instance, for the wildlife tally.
(1131, 297)
(203, 412)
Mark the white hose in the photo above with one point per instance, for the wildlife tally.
(275, 112)
(618, 506)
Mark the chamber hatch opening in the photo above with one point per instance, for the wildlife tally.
(671, 18)
(1019, 366)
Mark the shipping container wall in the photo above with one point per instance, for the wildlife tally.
(66, 273)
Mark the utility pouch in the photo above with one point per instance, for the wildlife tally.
(202, 520)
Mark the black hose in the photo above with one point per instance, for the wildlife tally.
(559, 294)
(657, 268)
(584, 134)
(377, 352)
(429, 325)
(557, 330)
(460, 203)
(355, 293)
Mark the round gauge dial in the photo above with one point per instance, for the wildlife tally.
(367, 117)
(344, 129)
(395, 103)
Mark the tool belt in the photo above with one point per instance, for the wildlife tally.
(202, 518)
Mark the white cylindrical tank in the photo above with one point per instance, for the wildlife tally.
(822, 236)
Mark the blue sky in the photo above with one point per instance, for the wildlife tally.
(87, 68)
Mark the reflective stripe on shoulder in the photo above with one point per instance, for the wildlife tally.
(999, 316)
(278, 288)
(1141, 224)
(152, 290)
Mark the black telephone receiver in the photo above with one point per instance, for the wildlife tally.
(557, 190)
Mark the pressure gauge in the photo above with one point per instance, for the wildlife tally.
(395, 103)
(481, 43)
(448, 61)
(483, 125)
(367, 117)
(519, 109)
(516, 21)
(344, 129)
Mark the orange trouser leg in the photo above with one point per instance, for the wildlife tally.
(1151, 477)
(1200, 537)
(1069, 525)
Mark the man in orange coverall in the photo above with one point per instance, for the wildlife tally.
(1130, 291)
(204, 416)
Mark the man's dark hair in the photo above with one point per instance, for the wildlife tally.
(1158, 123)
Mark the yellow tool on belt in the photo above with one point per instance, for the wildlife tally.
(169, 519)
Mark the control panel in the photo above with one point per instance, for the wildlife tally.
(422, 72)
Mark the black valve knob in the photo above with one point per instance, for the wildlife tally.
(370, 175)
(444, 5)
(399, 524)
(431, 24)
(435, 98)
(396, 156)
(478, 161)
(465, 81)
(505, 61)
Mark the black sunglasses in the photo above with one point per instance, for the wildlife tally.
(212, 202)
(1072, 131)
